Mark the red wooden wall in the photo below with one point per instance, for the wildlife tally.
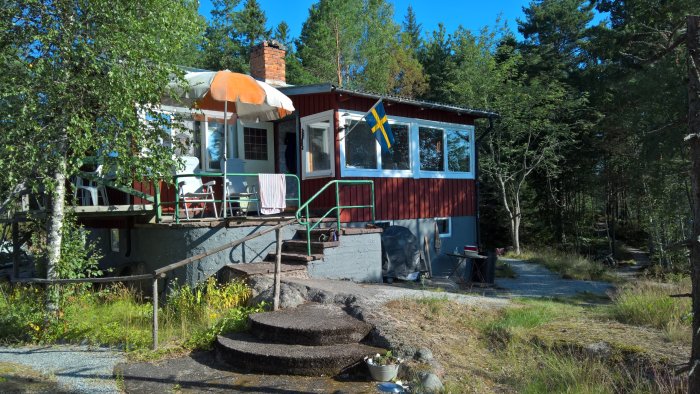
(395, 198)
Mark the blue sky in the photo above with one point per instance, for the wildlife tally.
(469, 13)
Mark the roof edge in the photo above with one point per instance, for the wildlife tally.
(329, 88)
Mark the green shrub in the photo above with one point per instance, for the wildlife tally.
(569, 265)
(649, 303)
(118, 316)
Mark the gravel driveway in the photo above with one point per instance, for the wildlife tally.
(534, 280)
(77, 369)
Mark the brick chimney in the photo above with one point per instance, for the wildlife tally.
(267, 63)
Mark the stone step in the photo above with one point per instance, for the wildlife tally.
(317, 234)
(243, 270)
(300, 246)
(244, 352)
(294, 258)
(309, 324)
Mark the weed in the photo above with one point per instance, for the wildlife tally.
(118, 316)
(649, 303)
(504, 270)
(569, 265)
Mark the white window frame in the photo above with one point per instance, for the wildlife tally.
(414, 152)
(448, 234)
(204, 124)
(270, 139)
(315, 118)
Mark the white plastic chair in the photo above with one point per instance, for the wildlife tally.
(193, 191)
(90, 189)
(237, 188)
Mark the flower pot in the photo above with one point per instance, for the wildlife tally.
(383, 373)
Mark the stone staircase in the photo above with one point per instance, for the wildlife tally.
(312, 340)
(294, 255)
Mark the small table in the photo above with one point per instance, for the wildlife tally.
(462, 259)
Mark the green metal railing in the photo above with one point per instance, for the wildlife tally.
(225, 200)
(306, 220)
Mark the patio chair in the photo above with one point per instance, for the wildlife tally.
(237, 188)
(192, 191)
(90, 190)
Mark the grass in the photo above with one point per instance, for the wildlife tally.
(649, 303)
(117, 316)
(538, 346)
(569, 265)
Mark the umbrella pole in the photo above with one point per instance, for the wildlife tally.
(223, 178)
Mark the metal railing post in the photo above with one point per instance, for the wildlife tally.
(155, 312)
(373, 211)
(337, 206)
(278, 268)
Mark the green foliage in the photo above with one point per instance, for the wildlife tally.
(79, 256)
(649, 303)
(82, 75)
(117, 316)
(570, 265)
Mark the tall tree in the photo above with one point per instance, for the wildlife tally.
(412, 31)
(231, 34)
(86, 74)
(349, 43)
(440, 67)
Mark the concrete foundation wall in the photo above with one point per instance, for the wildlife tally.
(463, 232)
(357, 258)
(155, 247)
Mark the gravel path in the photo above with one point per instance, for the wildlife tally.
(534, 280)
(78, 369)
(375, 295)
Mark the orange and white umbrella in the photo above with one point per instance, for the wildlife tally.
(252, 100)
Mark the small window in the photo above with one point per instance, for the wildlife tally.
(444, 227)
(114, 240)
(432, 157)
(214, 144)
(255, 143)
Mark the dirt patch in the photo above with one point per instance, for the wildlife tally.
(16, 378)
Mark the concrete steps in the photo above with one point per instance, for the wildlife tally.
(309, 324)
(310, 340)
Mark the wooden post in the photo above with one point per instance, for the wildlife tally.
(693, 138)
(15, 250)
(278, 267)
(155, 313)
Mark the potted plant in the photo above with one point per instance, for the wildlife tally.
(383, 368)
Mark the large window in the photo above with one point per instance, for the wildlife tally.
(319, 145)
(422, 149)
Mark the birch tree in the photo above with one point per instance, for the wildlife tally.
(79, 74)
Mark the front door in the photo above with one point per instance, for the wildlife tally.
(256, 149)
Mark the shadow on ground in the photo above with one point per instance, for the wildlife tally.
(201, 372)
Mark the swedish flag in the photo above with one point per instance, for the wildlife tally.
(378, 123)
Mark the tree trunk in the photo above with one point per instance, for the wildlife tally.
(693, 42)
(55, 233)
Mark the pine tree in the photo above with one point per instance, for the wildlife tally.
(412, 31)
(440, 67)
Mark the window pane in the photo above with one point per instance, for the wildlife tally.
(360, 146)
(255, 143)
(187, 139)
(458, 145)
(398, 158)
(215, 142)
(319, 157)
(430, 145)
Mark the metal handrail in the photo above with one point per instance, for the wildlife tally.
(225, 198)
(337, 208)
